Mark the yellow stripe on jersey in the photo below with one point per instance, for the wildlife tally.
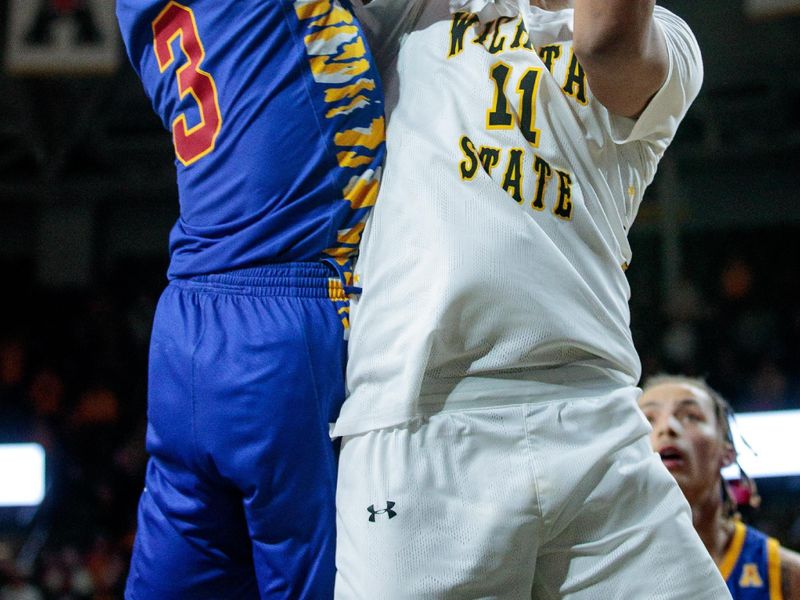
(354, 50)
(337, 15)
(370, 137)
(352, 235)
(734, 550)
(349, 91)
(346, 32)
(774, 569)
(340, 64)
(328, 41)
(354, 104)
(362, 191)
(328, 70)
(352, 159)
(338, 253)
(307, 9)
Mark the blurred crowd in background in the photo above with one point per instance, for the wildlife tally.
(732, 317)
(73, 369)
(73, 378)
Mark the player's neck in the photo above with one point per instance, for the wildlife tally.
(714, 529)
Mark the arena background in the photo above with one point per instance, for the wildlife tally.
(87, 197)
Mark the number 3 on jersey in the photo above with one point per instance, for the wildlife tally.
(177, 21)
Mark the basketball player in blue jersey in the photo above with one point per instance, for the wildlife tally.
(276, 116)
(691, 432)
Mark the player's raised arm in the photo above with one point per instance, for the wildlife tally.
(623, 51)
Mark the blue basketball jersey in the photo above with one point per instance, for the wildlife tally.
(276, 114)
(751, 566)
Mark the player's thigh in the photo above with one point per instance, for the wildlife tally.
(191, 538)
(242, 388)
(632, 538)
(191, 542)
(445, 507)
(288, 475)
(265, 417)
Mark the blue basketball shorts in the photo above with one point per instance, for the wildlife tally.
(246, 373)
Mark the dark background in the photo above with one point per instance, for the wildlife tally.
(87, 198)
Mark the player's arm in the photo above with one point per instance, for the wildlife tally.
(790, 574)
(623, 52)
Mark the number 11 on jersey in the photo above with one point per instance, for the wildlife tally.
(500, 117)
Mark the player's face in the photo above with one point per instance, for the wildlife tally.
(687, 436)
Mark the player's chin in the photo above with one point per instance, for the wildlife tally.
(679, 471)
(675, 465)
(685, 479)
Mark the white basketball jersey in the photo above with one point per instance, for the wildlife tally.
(493, 265)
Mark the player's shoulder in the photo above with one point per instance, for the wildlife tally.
(676, 29)
(665, 15)
(790, 573)
(686, 60)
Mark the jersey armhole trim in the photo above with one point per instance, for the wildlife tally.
(774, 569)
(734, 550)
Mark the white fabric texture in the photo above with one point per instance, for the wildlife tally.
(493, 263)
(490, 10)
(557, 499)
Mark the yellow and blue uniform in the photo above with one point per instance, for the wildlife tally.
(276, 115)
(751, 566)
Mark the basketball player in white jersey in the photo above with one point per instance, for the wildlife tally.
(492, 444)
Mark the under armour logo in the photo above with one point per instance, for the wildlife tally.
(388, 510)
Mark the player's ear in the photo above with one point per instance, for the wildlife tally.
(728, 455)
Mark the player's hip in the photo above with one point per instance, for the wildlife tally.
(500, 502)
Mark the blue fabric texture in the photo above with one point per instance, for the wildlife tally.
(246, 372)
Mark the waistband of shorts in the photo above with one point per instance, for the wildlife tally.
(298, 279)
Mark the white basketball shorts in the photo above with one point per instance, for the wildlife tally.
(561, 499)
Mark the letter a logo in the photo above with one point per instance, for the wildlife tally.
(750, 577)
